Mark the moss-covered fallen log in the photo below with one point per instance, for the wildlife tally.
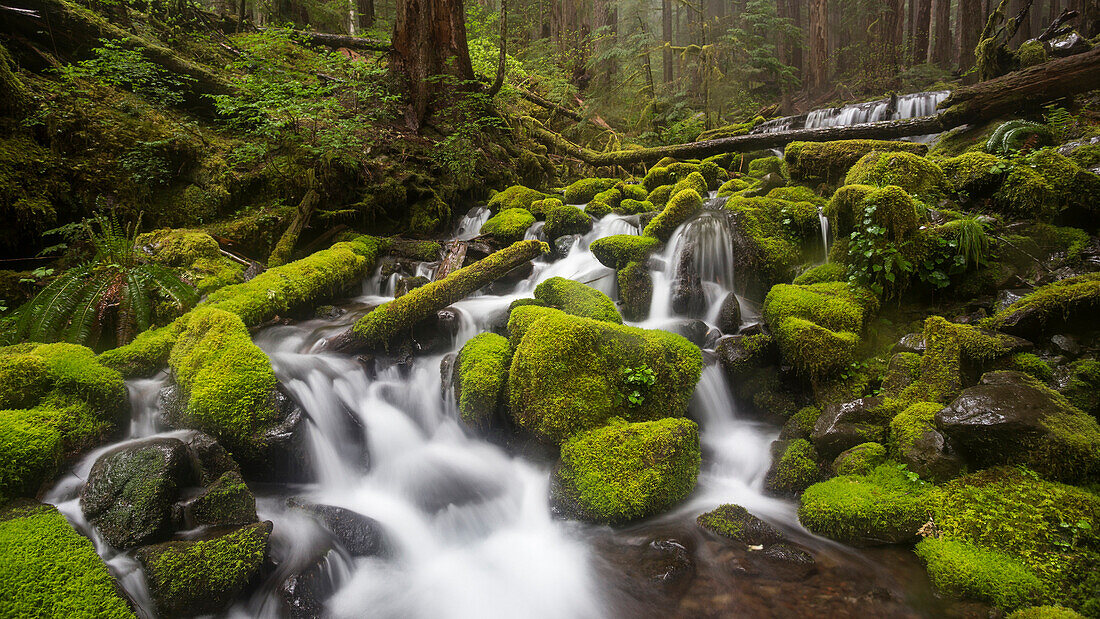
(318, 276)
(381, 326)
(324, 39)
(1020, 90)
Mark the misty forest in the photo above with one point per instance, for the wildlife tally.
(550, 309)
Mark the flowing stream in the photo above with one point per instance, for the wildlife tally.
(466, 521)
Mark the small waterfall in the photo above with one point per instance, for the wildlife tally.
(470, 225)
(912, 105)
(535, 233)
(824, 221)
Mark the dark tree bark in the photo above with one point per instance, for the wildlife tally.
(969, 24)
(429, 41)
(817, 68)
(921, 28)
(366, 13)
(941, 46)
(666, 37)
(891, 32)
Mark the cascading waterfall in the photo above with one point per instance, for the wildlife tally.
(823, 220)
(912, 105)
(470, 225)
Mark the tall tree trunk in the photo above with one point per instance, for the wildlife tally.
(366, 14)
(969, 24)
(666, 37)
(429, 40)
(818, 33)
(921, 30)
(892, 32)
(941, 46)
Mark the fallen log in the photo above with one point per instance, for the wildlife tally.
(1020, 90)
(453, 259)
(324, 39)
(386, 322)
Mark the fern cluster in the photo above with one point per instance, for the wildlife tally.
(1016, 135)
(114, 291)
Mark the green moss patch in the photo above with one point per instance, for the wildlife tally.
(681, 207)
(828, 162)
(577, 299)
(617, 250)
(482, 374)
(915, 174)
(626, 471)
(50, 570)
(582, 191)
(516, 196)
(796, 469)
(959, 569)
(817, 326)
(775, 230)
(508, 226)
(197, 253)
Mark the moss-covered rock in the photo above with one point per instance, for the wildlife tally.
(681, 206)
(860, 460)
(626, 471)
(1032, 365)
(656, 176)
(774, 231)
(736, 523)
(482, 373)
(959, 569)
(1082, 385)
(828, 162)
(732, 186)
(203, 577)
(570, 374)
(516, 196)
(1045, 612)
(1049, 527)
(582, 191)
(1011, 418)
(635, 290)
(916, 442)
(1050, 305)
(631, 191)
(759, 168)
(817, 326)
(883, 507)
(619, 249)
(889, 207)
(565, 220)
(795, 469)
(659, 196)
(577, 299)
(68, 403)
(694, 181)
(194, 251)
(508, 226)
(50, 570)
(975, 173)
(634, 207)
(915, 174)
(541, 208)
(225, 502)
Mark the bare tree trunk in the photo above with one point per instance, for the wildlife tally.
(503, 57)
(818, 33)
(969, 24)
(366, 14)
(921, 30)
(429, 40)
(666, 37)
(941, 46)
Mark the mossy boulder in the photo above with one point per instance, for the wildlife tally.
(625, 471)
(656, 176)
(916, 442)
(732, 186)
(1081, 385)
(203, 577)
(50, 570)
(760, 168)
(617, 250)
(681, 207)
(508, 226)
(828, 162)
(1011, 418)
(855, 207)
(772, 231)
(975, 173)
(659, 196)
(960, 569)
(565, 220)
(794, 469)
(694, 181)
(844, 425)
(736, 523)
(582, 191)
(516, 196)
(67, 402)
(818, 326)
(577, 299)
(860, 460)
(1050, 306)
(1049, 527)
(630, 191)
(130, 491)
(915, 174)
(635, 290)
(196, 253)
(634, 207)
(569, 374)
(481, 376)
(541, 208)
(1045, 612)
(882, 507)
(828, 272)
(225, 502)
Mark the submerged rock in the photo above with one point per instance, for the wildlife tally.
(736, 523)
(729, 315)
(130, 491)
(361, 536)
(304, 593)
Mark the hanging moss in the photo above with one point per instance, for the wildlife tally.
(679, 209)
(567, 374)
(508, 226)
(828, 162)
(627, 471)
(482, 372)
(50, 570)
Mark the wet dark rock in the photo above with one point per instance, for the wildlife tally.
(405, 284)
(304, 594)
(661, 568)
(226, 502)
(130, 491)
(688, 298)
(447, 373)
(931, 457)
(1010, 296)
(740, 354)
(729, 315)
(712, 338)
(911, 342)
(786, 562)
(209, 459)
(753, 328)
(564, 243)
(902, 371)
(694, 331)
(1010, 418)
(361, 536)
(843, 426)
(736, 523)
(328, 312)
(283, 455)
(1066, 345)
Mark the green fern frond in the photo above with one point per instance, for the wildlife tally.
(41, 318)
(87, 310)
